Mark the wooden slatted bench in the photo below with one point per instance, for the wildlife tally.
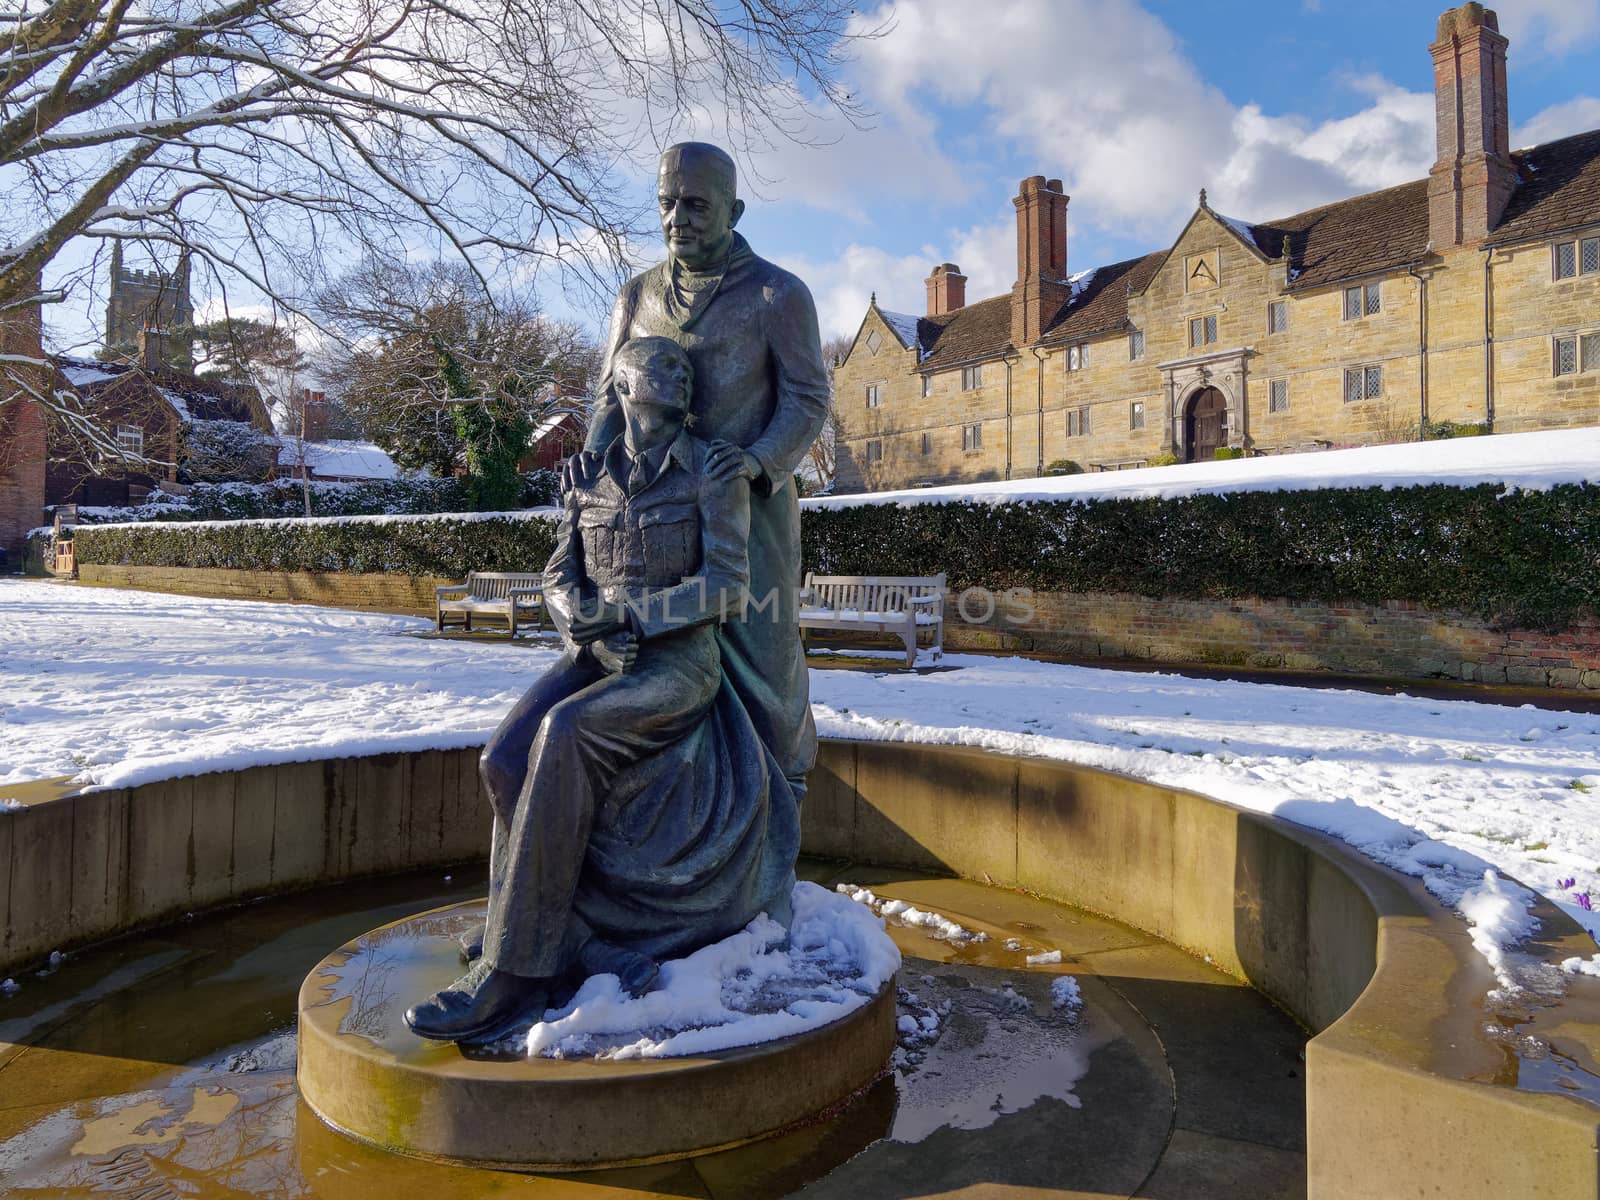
(509, 596)
(901, 605)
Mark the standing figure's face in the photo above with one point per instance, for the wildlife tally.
(698, 212)
(651, 391)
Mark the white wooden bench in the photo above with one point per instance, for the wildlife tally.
(509, 596)
(902, 605)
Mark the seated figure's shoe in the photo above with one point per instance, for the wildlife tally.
(484, 1005)
(471, 941)
(638, 972)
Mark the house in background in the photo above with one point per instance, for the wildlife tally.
(557, 437)
(1465, 301)
(336, 460)
(145, 406)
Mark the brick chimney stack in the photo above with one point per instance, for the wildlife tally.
(153, 348)
(1041, 286)
(947, 289)
(1469, 185)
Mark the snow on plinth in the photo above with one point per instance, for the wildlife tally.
(760, 984)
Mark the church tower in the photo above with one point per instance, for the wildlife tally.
(146, 299)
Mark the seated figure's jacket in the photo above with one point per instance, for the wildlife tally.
(676, 549)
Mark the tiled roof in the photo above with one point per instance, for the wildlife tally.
(1358, 236)
(1558, 188)
(1101, 303)
(980, 330)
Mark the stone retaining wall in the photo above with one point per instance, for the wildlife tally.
(386, 592)
(1397, 640)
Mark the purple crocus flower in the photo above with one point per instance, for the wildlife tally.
(1566, 883)
(1584, 902)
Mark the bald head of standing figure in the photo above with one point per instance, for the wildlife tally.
(697, 202)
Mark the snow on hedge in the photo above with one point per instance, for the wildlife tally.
(1534, 461)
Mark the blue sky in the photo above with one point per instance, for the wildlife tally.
(1272, 107)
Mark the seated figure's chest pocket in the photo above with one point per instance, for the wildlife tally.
(600, 527)
(671, 542)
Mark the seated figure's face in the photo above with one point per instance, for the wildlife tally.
(651, 390)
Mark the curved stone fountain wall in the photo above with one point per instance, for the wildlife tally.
(1404, 1095)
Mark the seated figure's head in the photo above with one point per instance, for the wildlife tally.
(654, 381)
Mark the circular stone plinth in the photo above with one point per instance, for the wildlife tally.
(363, 1072)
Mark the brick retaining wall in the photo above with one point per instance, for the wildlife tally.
(1397, 640)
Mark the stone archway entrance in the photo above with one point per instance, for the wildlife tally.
(1205, 425)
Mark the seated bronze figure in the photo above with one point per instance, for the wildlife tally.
(638, 813)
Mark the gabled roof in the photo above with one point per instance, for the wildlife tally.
(1558, 188)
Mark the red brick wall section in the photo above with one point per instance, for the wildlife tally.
(1398, 640)
(22, 443)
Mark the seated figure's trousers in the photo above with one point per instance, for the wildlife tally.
(551, 762)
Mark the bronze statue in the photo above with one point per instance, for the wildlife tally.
(647, 788)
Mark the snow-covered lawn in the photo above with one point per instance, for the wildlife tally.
(121, 687)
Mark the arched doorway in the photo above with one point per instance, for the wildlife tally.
(1205, 425)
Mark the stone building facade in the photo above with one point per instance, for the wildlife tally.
(1470, 298)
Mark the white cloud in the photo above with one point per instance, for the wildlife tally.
(1553, 27)
(1558, 121)
(1101, 93)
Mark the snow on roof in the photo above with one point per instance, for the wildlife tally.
(1243, 228)
(1080, 282)
(339, 459)
(82, 374)
(1530, 461)
(904, 326)
(179, 404)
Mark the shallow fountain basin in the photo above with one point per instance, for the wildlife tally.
(1405, 1095)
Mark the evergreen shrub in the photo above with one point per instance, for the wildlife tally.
(1515, 558)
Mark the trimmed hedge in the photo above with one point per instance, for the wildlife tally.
(1516, 558)
(448, 546)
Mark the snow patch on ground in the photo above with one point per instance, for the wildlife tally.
(1065, 994)
(761, 984)
(935, 925)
